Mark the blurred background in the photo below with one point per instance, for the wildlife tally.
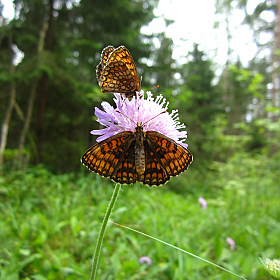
(216, 61)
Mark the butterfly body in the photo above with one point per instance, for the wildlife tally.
(145, 156)
(139, 150)
(117, 72)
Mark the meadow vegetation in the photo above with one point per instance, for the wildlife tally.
(50, 223)
(51, 206)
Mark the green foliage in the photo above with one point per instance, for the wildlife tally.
(64, 71)
(163, 68)
(251, 82)
(198, 103)
(50, 224)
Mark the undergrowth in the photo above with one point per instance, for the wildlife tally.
(49, 224)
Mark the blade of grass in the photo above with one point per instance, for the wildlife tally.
(177, 248)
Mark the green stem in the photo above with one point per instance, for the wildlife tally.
(102, 231)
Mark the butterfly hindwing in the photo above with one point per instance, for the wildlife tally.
(117, 72)
(106, 54)
(154, 173)
(116, 77)
(104, 57)
(126, 172)
(171, 156)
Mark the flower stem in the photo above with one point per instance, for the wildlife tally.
(102, 231)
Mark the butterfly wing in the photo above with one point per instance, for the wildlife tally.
(107, 156)
(126, 173)
(106, 52)
(154, 174)
(116, 77)
(115, 158)
(104, 58)
(164, 158)
(122, 54)
(119, 74)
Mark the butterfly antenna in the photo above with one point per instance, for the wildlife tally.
(154, 117)
(125, 116)
(144, 122)
(154, 87)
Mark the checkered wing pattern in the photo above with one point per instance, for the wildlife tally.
(104, 58)
(164, 159)
(115, 158)
(106, 157)
(117, 72)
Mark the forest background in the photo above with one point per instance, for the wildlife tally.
(52, 206)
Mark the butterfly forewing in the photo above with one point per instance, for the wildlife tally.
(106, 156)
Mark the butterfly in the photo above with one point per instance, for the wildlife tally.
(117, 72)
(144, 156)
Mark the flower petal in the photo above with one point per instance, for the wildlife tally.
(146, 260)
(149, 113)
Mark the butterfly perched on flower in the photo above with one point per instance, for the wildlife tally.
(148, 157)
(134, 146)
(117, 72)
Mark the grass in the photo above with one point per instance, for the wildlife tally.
(49, 224)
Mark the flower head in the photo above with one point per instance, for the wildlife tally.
(146, 260)
(203, 202)
(231, 243)
(148, 112)
(272, 267)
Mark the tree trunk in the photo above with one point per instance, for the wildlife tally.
(31, 99)
(43, 89)
(6, 122)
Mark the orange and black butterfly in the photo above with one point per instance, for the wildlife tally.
(117, 72)
(148, 157)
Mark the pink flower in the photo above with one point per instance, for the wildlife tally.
(146, 260)
(203, 202)
(231, 243)
(138, 110)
